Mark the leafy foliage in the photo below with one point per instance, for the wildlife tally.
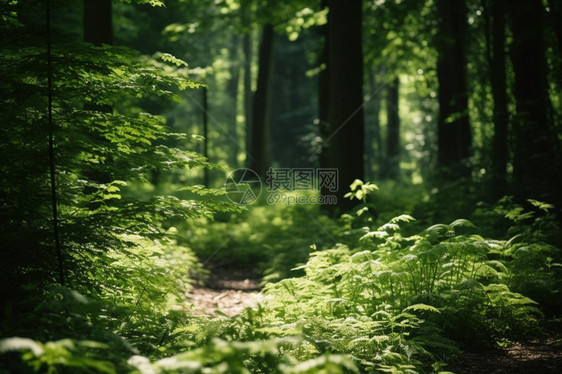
(127, 273)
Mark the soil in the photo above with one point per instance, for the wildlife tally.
(225, 291)
(539, 355)
(228, 292)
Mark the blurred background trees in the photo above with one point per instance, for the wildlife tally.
(463, 90)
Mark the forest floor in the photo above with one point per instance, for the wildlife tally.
(229, 291)
(226, 291)
(537, 355)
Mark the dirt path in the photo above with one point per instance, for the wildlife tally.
(542, 355)
(225, 291)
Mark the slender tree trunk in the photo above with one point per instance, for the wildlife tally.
(536, 160)
(454, 134)
(52, 166)
(392, 157)
(247, 49)
(205, 118)
(260, 148)
(345, 115)
(496, 60)
(232, 90)
(324, 100)
(98, 29)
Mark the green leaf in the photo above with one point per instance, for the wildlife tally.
(20, 344)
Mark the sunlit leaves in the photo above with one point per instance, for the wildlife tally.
(53, 354)
(360, 190)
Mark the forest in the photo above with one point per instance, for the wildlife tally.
(260, 186)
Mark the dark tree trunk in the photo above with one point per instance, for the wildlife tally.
(345, 114)
(536, 159)
(392, 157)
(98, 27)
(494, 18)
(454, 134)
(260, 149)
(499, 94)
(247, 49)
(232, 90)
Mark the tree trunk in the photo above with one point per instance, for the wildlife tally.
(345, 114)
(324, 100)
(536, 159)
(247, 49)
(454, 134)
(373, 150)
(205, 118)
(232, 91)
(260, 149)
(98, 29)
(392, 157)
(499, 94)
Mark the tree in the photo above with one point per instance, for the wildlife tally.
(345, 82)
(232, 90)
(454, 133)
(293, 104)
(373, 137)
(391, 168)
(259, 148)
(247, 49)
(494, 19)
(324, 98)
(536, 159)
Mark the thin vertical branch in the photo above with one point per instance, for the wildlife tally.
(51, 148)
(205, 135)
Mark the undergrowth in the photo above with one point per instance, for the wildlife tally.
(377, 301)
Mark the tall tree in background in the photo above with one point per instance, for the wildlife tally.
(536, 161)
(391, 169)
(324, 98)
(247, 49)
(232, 90)
(345, 82)
(494, 18)
(373, 138)
(292, 114)
(454, 134)
(97, 26)
(259, 148)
